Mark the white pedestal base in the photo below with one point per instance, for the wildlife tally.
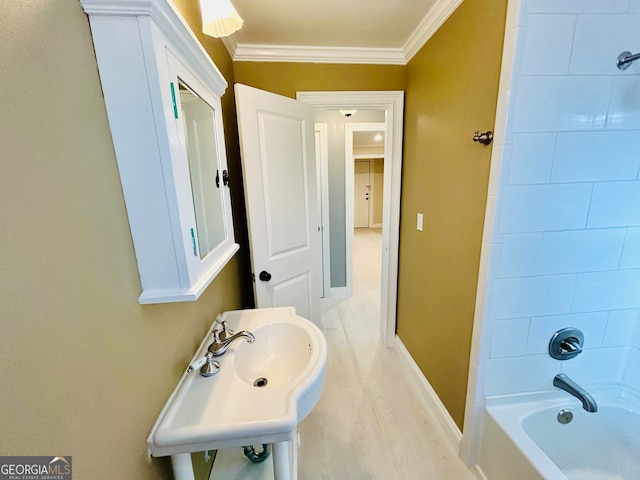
(284, 458)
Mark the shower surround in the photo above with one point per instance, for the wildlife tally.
(561, 246)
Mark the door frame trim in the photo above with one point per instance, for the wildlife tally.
(392, 102)
(322, 182)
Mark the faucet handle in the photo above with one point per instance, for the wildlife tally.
(207, 365)
(566, 343)
(570, 345)
(222, 333)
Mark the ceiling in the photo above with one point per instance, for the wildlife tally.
(336, 31)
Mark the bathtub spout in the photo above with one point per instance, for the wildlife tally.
(565, 383)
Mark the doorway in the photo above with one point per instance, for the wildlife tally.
(392, 104)
(364, 142)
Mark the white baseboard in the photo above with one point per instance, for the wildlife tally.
(375, 225)
(447, 424)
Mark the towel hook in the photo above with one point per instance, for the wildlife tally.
(625, 59)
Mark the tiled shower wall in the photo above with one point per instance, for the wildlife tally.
(564, 246)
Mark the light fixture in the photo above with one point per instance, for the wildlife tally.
(348, 113)
(377, 137)
(219, 18)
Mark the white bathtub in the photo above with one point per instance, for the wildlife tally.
(523, 438)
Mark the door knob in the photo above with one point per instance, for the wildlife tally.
(264, 276)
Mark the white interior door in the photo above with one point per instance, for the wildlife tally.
(361, 191)
(279, 169)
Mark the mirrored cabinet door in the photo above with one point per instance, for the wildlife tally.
(198, 122)
(198, 155)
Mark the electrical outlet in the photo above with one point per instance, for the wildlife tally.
(419, 225)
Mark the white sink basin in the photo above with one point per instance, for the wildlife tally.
(260, 394)
(277, 358)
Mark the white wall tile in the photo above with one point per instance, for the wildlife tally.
(631, 251)
(577, 6)
(596, 156)
(547, 44)
(607, 291)
(516, 13)
(500, 166)
(615, 204)
(544, 207)
(509, 338)
(557, 103)
(511, 62)
(495, 255)
(566, 131)
(489, 262)
(532, 296)
(580, 251)
(480, 346)
(596, 366)
(631, 374)
(635, 339)
(620, 328)
(475, 380)
(493, 211)
(599, 39)
(519, 374)
(531, 158)
(624, 111)
(519, 256)
(542, 329)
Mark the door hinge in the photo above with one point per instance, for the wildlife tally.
(225, 178)
(253, 277)
(193, 240)
(173, 99)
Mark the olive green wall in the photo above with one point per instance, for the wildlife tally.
(288, 78)
(451, 91)
(85, 368)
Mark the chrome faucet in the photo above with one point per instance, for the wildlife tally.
(565, 383)
(222, 340)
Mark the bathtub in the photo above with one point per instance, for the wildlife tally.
(523, 439)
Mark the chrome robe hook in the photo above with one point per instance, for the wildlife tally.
(483, 138)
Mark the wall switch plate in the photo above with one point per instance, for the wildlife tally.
(419, 225)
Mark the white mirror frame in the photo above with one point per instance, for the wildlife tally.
(133, 40)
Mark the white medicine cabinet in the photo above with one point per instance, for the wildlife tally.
(162, 93)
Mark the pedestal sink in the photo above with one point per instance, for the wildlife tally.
(260, 394)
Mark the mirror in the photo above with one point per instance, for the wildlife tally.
(199, 128)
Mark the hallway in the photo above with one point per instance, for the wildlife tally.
(369, 423)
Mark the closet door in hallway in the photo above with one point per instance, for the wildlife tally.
(362, 191)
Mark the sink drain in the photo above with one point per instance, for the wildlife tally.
(260, 382)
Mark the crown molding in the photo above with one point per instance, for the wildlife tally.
(286, 53)
(231, 44)
(429, 25)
